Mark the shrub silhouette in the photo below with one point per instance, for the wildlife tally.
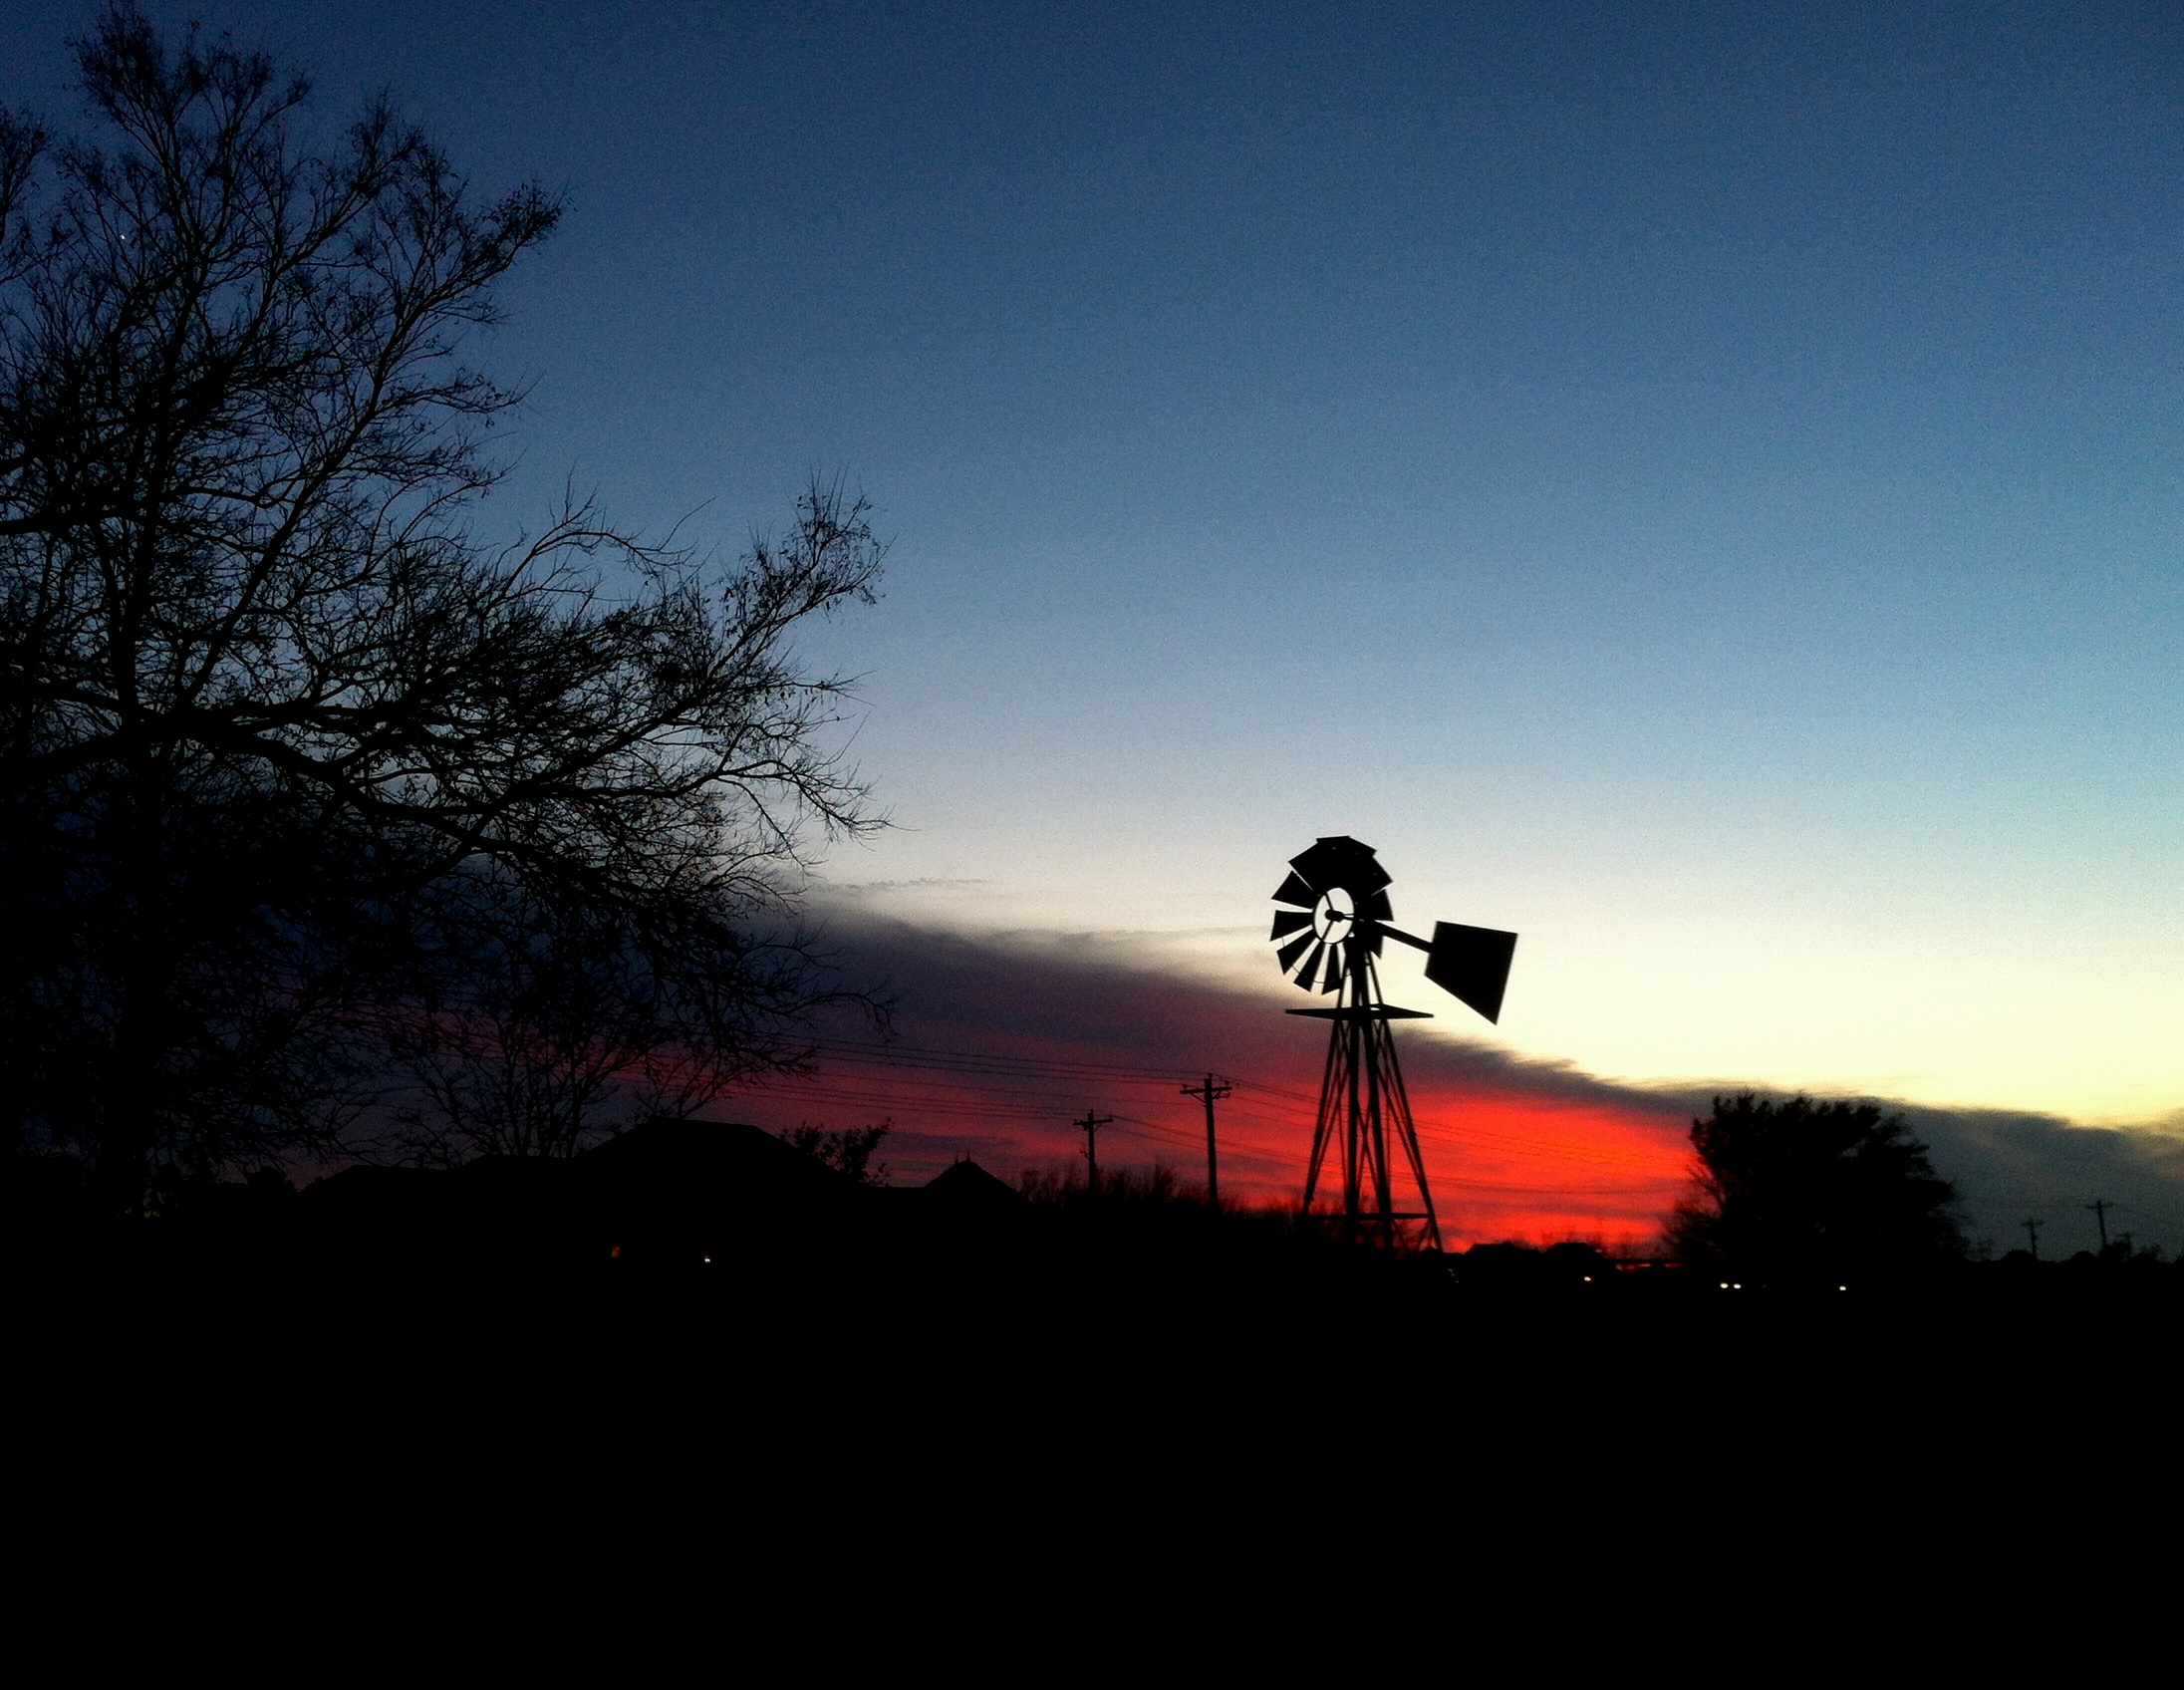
(1797, 1192)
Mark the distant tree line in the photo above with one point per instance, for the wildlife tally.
(324, 812)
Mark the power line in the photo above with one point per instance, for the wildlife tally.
(982, 1064)
(975, 1097)
(1034, 1107)
(1261, 1160)
(915, 1055)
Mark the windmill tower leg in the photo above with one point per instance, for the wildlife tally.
(1357, 1139)
(1399, 1110)
(1324, 1127)
(1364, 1104)
(1373, 1035)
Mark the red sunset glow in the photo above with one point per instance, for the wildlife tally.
(1005, 1044)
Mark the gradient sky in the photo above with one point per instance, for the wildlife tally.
(1699, 485)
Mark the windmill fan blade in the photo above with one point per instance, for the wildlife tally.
(1295, 891)
(1336, 960)
(1290, 952)
(1342, 861)
(1376, 908)
(1289, 920)
(1472, 963)
(1310, 972)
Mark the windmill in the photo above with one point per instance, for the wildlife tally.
(1334, 926)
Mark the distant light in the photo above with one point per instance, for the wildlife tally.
(1588, 1278)
(1843, 1287)
(1738, 1287)
(1725, 1285)
(709, 1258)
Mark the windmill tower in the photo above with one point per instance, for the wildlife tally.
(1329, 934)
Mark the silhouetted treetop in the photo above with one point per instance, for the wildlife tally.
(848, 1151)
(285, 738)
(1798, 1191)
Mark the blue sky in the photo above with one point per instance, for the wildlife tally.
(1699, 485)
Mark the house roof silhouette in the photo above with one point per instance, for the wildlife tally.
(715, 1159)
(967, 1183)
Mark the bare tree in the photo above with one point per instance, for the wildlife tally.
(538, 1034)
(542, 1030)
(286, 741)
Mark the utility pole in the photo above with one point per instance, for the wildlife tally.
(1092, 1124)
(2100, 1210)
(1210, 1091)
(2031, 1232)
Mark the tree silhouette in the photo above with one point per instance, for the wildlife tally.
(1799, 1192)
(539, 1034)
(848, 1151)
(291, 756)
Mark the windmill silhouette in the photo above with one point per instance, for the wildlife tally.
(1328, 938)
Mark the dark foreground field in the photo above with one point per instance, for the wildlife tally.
(700, 1318)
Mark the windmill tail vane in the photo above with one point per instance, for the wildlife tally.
(1329, 935)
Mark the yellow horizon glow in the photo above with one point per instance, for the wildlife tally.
(2055, 1021)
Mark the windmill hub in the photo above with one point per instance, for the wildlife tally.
(1332, 914)
(1335, 919)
